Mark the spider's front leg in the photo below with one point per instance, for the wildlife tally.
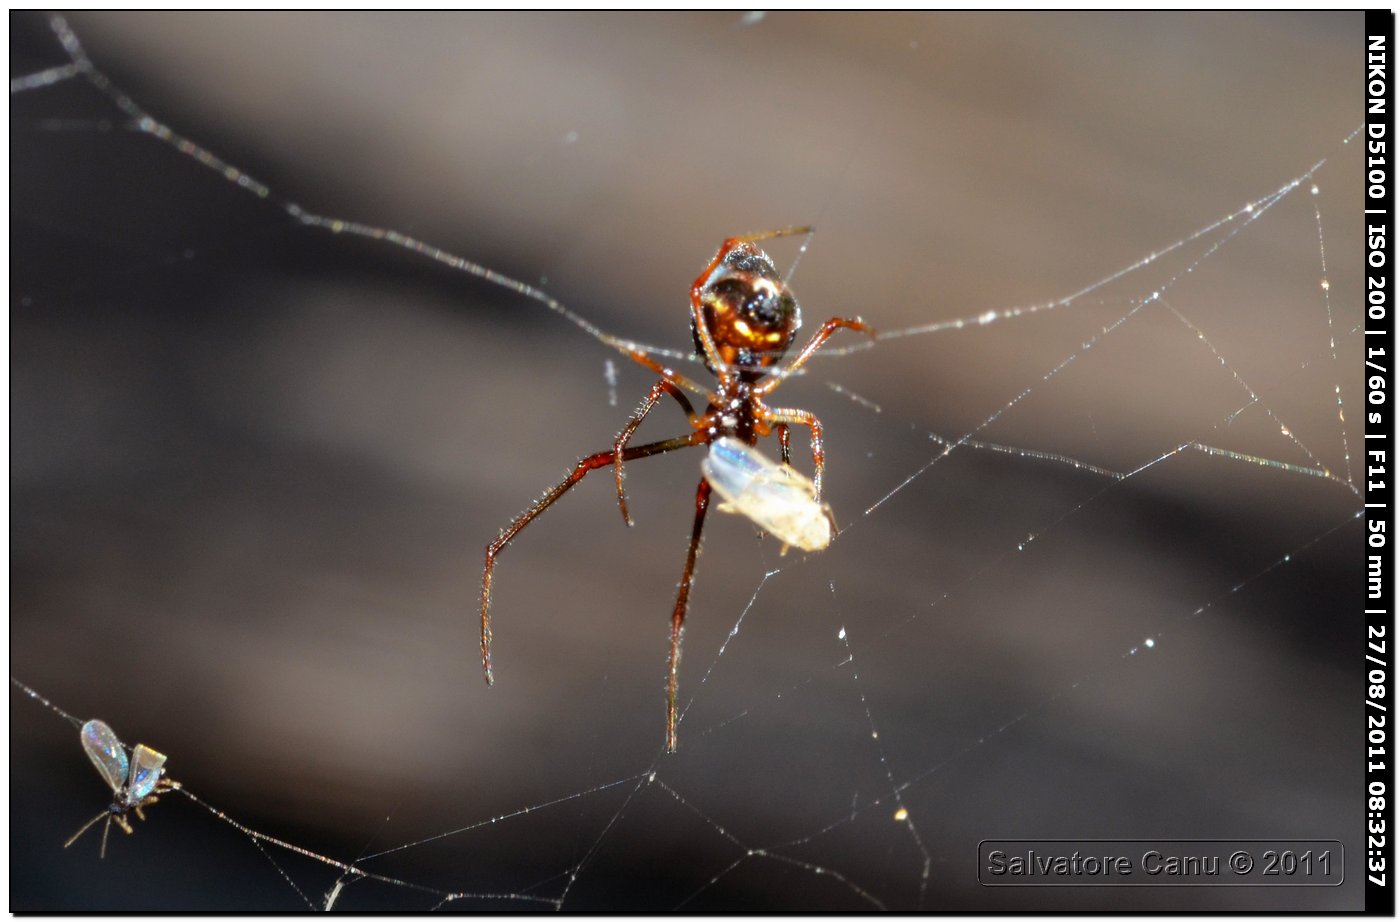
(592, 462)
(803, 418)
(664, 386)
(702, 505)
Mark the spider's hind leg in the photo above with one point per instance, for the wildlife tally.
(702, 505)
(592, 462)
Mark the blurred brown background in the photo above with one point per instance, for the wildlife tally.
(253, 465)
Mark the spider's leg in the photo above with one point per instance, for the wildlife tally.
(820, 337)
(702, 505)
(592, 462)
(803, 418)
(670, 374)
(620, 444)
(784, 447)
(795, 231)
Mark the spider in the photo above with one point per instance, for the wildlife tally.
(137, 782)
(743, 319)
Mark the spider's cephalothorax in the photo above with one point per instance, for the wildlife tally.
(742, 318)
(750, 314)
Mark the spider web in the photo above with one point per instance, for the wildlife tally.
(1096, 481)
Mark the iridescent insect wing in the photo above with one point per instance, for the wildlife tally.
(145, 772)
(773, 496)
(106, 752)
(731, 467)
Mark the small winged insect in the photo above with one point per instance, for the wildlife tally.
(137, 781)
(773, 496)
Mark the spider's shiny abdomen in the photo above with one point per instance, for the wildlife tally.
(749, 312)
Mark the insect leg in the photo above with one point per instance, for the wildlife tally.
(86, 826)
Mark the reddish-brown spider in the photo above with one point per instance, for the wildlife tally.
(743, 319)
